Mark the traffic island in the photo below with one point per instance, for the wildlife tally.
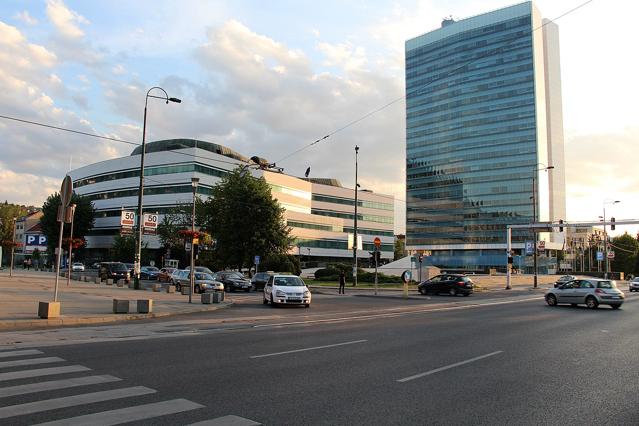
(49, 309)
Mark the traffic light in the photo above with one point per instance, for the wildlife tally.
(372, 258)
(612, 223)
(561, 228)
(378, 256)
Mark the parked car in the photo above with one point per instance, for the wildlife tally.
(260, 279)
(77, 267)
(175, 278)
(165, 274)
(591, 291)
(452, 284)
(115, 271)
(634, 284)
(564, 279)
(233, 281)
(200, 269)
(286, 290)
(149, 273)
(203, 282)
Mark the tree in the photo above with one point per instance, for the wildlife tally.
(124, 249)
(245, 220)
(625, 247)
(8, 212)
(82, 222)
(281, 263)
(179, 218)
(399, 250)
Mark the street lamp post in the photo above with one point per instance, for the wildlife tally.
(606, 261)
(534, 202)
(355, 224)
(69, 267)
(138, 249)
(194, 183)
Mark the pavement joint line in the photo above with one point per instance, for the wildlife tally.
(448, 367)
(309, 349)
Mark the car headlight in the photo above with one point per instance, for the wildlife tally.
(280, 293)
(307, 293)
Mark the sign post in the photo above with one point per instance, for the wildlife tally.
(256, 260)
(378, 243)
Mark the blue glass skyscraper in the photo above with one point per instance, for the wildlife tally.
(483, 116)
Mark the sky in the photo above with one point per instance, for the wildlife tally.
(270, 78)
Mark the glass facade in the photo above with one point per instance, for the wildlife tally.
(472, 142)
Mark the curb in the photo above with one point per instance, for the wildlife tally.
(62, 321)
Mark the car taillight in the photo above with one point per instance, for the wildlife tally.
(600, 291)
(460, 283)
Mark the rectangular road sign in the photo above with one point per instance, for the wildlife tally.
(127, 218)
(150, 220)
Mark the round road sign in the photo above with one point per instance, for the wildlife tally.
(66, 190)
(377, 242)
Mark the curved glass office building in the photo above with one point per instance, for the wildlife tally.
(320, 212)
(483, 116)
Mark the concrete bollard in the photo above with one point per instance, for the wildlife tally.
(131, 284)
(97, 280)
(170, 289)
(109, 281)
(145, 306)
(186, 290)
(120, 283)
(49, 309)
(120, 306)
(157, 287)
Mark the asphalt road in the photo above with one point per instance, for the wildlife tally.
(350, 360)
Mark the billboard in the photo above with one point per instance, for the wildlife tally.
(35, 241)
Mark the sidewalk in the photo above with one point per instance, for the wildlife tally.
(81, 302)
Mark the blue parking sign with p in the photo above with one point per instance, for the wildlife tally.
(530, 247)
(36, 240)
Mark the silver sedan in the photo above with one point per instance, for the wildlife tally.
(589, 291)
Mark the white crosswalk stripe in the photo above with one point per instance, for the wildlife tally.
(129, 414)
(9, 354)
(23, 374)
(71, 401)
(31, 361)
(55, 385)
(108, 417)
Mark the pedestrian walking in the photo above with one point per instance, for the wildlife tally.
(28, 264)
(342, 282)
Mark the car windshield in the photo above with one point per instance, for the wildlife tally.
(606, 284)
(235, 275)
(119, 267)
(203, 276)
(289, 281)
(152, 269)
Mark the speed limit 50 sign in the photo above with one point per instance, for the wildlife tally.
(150, 220)
(127, 218)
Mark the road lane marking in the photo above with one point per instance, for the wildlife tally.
(309, 349)
(32, 361)
(19, 353)
(457, 364)
(72, 401)
(227, 421)
(23, 374)
(55, 384)
(129, 414)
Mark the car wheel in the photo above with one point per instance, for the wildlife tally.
(573, 304)
(264, 301)
(591, 302)
(452, 292)
(248, 289)
(422, 291)
(178, 287)
(308, 305)
(273, 304)
(615, 306)
(551, 299)
(466, 294)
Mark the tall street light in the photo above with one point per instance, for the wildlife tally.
(194, 183)
(355, 223)
(606, 261)
(534, 202)
(13, 245)
(138, 250)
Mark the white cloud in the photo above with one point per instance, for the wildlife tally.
(25, 17)
(65, 20)
(118, 69)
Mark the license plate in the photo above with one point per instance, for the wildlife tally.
(615, 297)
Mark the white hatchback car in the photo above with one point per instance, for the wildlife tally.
(634, 284)
(286, 290)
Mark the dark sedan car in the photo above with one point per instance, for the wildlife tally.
(233, 280)
(149, 273)
(259, 280)
(451, 284)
